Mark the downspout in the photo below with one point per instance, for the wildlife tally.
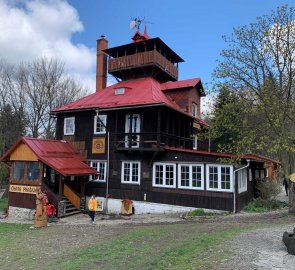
(237, 170)
(108, 164)
(107, 173)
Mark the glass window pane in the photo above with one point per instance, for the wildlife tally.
(19, 170)
(33, 170)
(184, 176)
(159, 175)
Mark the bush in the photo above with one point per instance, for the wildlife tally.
(267, 189)
(260, 205)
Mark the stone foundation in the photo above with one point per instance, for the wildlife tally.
(18, 212)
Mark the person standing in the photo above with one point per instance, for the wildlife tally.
(92, 206)
(286, 184)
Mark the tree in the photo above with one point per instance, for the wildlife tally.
(259, 66)
(41, 86)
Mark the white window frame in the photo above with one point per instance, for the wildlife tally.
(194, 109)
(119, 91)
(242, 180)
(195, 142)
(219, 166)
(191, 165)
(98, 179)
(136, 130)
(66, 119)
(130, 176)
(164, 174)
(103, 118)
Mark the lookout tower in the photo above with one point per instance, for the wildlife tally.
(143, 57)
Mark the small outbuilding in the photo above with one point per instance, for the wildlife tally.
(50, 165)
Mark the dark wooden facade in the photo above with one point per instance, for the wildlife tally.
(160, 127)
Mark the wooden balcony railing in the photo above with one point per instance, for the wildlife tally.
(141, 59)
(150, 141)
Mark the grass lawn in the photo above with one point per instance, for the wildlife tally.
(3, 204)
(173, 246)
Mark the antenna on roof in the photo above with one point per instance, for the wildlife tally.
(136, 22)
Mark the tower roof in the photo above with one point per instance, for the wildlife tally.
(141, 45)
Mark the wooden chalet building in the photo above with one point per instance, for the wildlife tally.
(140, 135)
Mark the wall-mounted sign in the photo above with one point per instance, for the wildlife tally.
(98, 146)
(24, 189)
(196, 125)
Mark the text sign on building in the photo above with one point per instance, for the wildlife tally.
(196, 125)
(98, 146)
(24, 189)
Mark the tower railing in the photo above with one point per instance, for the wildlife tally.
(142, 59)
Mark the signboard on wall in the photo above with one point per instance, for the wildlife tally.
(196, 125)
(24, 189)
(98, 146)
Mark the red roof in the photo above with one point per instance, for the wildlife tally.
(139, 92)
(180, 84)
(138, 37)
(199, 152)
(59, 155)
(249, 156)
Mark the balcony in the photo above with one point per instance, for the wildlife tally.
(150, 63)
(150, 141)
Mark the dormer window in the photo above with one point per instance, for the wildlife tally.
(120, 91)
(194, 110)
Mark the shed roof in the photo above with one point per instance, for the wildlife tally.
(59, 155)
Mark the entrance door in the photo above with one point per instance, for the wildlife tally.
(132, 127)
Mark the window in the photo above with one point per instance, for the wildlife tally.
(191, 176)
(259, 174)
(120, 91)
(26, 170)
(130, 173)
(100, 122)
(69, 126)
(194, 110)
(101, 167)
(195, 142)
(219, 178)
(164, 175)
(33, 170)
(19, 170)
(242, 180)
(132, 127)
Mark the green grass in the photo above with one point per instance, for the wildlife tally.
(157, 247)
(3, 204)
(260, 205)
(201, 212)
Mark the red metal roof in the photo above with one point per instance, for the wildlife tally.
(143, 91)
(180, 84)
(249, 156)
(183, 84)
(59, 155)
(199, 152)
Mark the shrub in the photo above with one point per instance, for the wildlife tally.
(260, 205)
(267, 189)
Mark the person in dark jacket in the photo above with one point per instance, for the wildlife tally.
(286, 184)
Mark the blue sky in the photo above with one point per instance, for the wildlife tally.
(68, 30)
(192, 28)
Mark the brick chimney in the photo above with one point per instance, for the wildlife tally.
(101, 64)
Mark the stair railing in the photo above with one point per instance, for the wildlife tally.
(72, 196)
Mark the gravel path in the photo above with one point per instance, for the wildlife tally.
(259, 249)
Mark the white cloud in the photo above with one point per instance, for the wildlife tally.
(35, 28)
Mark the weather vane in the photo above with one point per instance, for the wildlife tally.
(135, 23)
